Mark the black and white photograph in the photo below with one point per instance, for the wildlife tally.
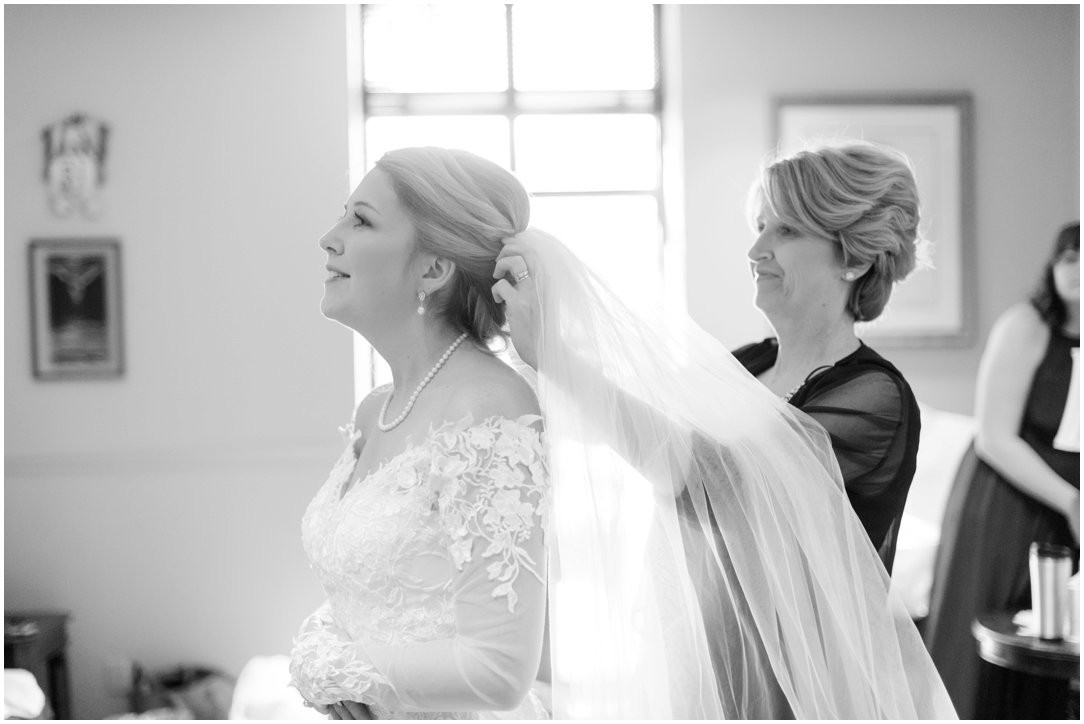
(529, 360)
(76, 299)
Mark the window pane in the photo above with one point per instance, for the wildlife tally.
(485, 135)
(583, 46)
(607, 152)
(454, 47)
(617, 236)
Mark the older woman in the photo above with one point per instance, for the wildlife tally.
(837, 227)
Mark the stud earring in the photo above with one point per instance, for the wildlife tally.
(849, 276)
(421, 302)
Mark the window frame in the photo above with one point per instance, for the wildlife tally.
(511, 103)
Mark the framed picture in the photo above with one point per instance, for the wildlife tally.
(934, 306)
(76, 308)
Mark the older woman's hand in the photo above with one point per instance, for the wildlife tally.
(518, 262)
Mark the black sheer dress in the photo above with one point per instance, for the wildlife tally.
(872, 416)
(982, 561)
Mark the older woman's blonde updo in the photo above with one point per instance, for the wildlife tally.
(860, 194)
(462, 206)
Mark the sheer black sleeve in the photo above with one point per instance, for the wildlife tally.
(872, 417)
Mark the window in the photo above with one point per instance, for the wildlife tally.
(567, 96)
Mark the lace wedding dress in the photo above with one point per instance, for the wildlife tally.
(434, 568)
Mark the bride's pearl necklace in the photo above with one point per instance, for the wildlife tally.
(385, 426)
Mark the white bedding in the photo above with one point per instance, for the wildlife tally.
(23, 698)
(263, 692)
(943, 441)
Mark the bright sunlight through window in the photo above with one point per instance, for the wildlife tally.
(566, 96)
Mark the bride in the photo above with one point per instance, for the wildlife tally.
(701, 555)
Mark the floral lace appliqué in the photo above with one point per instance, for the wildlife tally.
(326, 666)
(485, 494)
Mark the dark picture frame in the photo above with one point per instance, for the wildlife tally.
(75, 301)
(933, 307)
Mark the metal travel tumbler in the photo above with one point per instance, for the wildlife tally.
(1050, 570)
(1074, 609)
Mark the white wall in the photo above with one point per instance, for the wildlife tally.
(1021, 65)
(162, 509)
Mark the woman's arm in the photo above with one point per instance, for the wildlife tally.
(1013, 353)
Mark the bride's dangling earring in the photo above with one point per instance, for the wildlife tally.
(421, 303)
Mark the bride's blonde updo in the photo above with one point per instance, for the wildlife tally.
(461, 205)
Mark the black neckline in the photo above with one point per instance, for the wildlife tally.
(861, 346)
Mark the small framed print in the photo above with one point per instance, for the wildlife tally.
(76, 308)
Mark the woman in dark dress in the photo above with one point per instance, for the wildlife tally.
(1018, 483)
(837, 228)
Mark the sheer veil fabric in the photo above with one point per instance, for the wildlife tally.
(705, 561)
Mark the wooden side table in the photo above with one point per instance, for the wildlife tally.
(38, 642)
(1000, 642)
(1057, 692)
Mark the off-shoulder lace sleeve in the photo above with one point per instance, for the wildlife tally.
(490, 486)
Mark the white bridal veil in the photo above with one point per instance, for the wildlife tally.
(705, 561)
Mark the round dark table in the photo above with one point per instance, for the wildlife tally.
(1000, 642)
